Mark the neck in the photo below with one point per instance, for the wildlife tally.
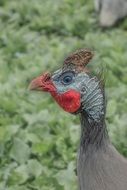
(93, 133)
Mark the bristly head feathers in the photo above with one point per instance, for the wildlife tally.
(72, 86)
(79, 59)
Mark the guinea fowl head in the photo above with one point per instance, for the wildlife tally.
(72, 86)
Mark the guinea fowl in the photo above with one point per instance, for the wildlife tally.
(99, 165)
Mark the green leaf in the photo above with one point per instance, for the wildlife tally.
(34, 168)
(67, 177)
(111, 108)
(20, 151)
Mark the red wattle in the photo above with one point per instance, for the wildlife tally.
(69, 101)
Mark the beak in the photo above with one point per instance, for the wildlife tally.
(40, 82)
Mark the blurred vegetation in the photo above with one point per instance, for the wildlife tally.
(38, 141)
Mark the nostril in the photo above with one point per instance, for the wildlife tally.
(46, 77)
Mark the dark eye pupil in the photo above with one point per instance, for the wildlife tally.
(67, 79)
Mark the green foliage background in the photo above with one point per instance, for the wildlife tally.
(38, 141)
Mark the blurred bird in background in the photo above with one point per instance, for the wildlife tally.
(110, 11)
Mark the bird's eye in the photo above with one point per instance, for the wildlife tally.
(67, 78)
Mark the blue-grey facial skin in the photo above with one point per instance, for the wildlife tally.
(92, 98)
